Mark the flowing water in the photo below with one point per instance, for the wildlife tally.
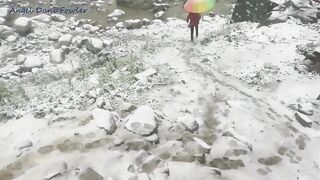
(98, 10)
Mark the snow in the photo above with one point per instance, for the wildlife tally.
(232, 87)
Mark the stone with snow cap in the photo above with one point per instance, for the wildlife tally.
(57, 56)
(94, 45)
(116, 13)
(5, 31)
(104, 120)
(65, 40)
(58, 17)
(145, 74)
(306, 108)
(303, 120)
(24, 144)
(142, 121)
(22, 25)
(189, 122)
(55, 169)
(4, 12)
(33, 62)
(2, 20)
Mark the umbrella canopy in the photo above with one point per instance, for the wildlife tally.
(199, 6)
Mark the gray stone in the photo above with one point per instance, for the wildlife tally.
(306, 108)
(55, 169)
(22, 25)
(58, 17)
(21, 59)
(133, 24)
(65, 40)
(90, 174)
(33, 62)
(303, 120)
(226, 164)
(24, 144)
(104, 120)
(94, 45)
(4, 12)
(143, 121)
(57, 56)
(5, 31)
(270, 160)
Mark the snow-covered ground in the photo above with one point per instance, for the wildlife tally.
(149, 104)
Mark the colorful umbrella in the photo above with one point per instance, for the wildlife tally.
(199, 6)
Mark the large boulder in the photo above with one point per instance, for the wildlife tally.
(116, 13)
(274, 11)
(5, 31)
(104, 120)
(133, 24)
(143, 121)
(22, 25)
(57, 56)
(33, 62)
(65, 40)
(252, 10)
(4, 12)
(94, 45)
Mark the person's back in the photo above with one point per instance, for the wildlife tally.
(193, 20)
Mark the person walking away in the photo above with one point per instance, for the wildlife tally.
(193, 20)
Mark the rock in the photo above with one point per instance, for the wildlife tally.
(226, 164)
(184, 156)
(22, 25)
(133, 24)
(5, 31)
(318, 98)
(54, 36)
(300, 9)
(2, 20)
(24, 144)
(159, 15)
(42, 18)
(145, 74)
(87, 26)
(90, 174)
(143, 121)
(55, 169)
(306, 108)
(58, 17)
(202, 143)
(150, 163)
(303, 120)
(127, 107)
(120, 25)
(21, 59)
(116, 13)
(12, 38)
(33, 62)
(160, 7)
(154, 138)
(104, 120)
(252, 10)
(65, 40)
(4, 12)
(146, 21)
(270, 160)
(138, 144)
(57, 56)
(189, 122)
(94, 45)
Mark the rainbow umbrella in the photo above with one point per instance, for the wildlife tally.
(199, 6)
